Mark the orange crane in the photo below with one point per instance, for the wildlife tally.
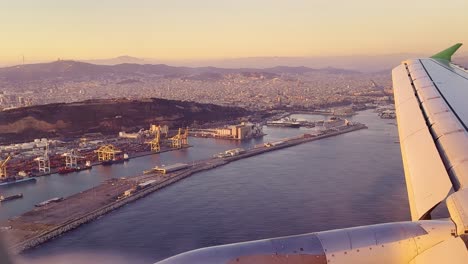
(180, 139)
(155, 143)
(184, 137)
(107, 152)
(164, 130)
(176, 141)
(3, 171)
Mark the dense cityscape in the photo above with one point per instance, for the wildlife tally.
(254, 90)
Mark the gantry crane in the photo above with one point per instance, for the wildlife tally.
(3, 171)
(163, 130)
(176, 141)
(184, 137)
(71, 159)
(155, 143)
(180, 139)
(107, 152)
(44, 161)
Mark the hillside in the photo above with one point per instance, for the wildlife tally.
(70, 70)
(107, 116)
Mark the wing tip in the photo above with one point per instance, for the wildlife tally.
(447, 53)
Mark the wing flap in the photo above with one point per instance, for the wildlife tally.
(427, 180)
(452, 251)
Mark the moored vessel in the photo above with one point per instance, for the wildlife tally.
(11, 197)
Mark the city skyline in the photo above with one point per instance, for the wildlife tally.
(181, 30)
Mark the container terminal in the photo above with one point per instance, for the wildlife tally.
(60, 215)
(44, 157)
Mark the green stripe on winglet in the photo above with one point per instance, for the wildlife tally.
(447, 54)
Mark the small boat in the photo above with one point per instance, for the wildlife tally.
(11, 197)
(11, 181)
(53, 200)
(65, 170)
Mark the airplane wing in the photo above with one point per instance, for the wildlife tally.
(432, 115)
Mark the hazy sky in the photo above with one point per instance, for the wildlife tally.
(206, 29)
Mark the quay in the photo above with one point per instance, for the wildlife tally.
(130, 157)
(49, 221)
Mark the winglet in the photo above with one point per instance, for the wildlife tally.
(447, 54)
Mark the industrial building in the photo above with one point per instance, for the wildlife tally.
(230, 153)
(335, 122)
(171, 168)
(241, 131)
(123, 134)
(146, 184)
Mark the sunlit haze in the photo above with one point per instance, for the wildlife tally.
(208, 29)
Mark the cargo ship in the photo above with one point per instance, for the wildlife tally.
(11, 181)
(53, 200)
(66, 170)
(284, 123)
(116, 160)
(11, 197)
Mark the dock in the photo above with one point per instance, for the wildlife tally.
(54, 219)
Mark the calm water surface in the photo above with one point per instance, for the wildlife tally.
(349, 180)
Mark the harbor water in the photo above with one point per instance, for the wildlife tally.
(348, 180)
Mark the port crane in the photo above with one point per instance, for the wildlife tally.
(3, 171)
(44, 161)
(107, 152)
(180, 139)
(163, 130)
(155, 143)
(71, 159)
(184, 137)
(176, 141)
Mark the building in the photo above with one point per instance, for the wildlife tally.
(129, 135)
(171, 168)
(242, 131)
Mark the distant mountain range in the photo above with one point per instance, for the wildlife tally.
(75, 70)
(119, 60)
(361, 63)
(131, 66)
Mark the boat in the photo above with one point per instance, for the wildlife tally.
(107, 162)
(65, 170)
(116, 160)
(284, 123)
(11, 197)
(53, 200)
(11, 181)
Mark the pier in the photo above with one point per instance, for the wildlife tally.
(42, 224)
